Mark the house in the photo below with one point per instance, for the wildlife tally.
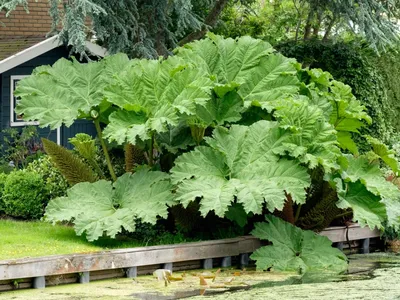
(23, 47)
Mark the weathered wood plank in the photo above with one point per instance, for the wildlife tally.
(121, 258)
(338, 234)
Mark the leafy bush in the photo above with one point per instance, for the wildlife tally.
(20, 146)
(3, 178)
(239, 123)
(25, 195)
(355, 65)
(55, 183)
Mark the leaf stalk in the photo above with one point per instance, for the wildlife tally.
(104, 147)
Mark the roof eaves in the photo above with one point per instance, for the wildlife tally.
(41, 48)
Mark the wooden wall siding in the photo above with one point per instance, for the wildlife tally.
(26, 68)
(78, 127)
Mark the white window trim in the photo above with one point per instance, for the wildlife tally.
(59, 136)
(14, 123)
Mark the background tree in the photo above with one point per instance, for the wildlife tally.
(140, 28)
(277, 20)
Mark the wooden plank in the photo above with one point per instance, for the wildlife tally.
(338, 234)
(114, 259)
(146, 256)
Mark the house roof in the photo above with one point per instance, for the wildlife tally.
(17, 50)
(12, 45)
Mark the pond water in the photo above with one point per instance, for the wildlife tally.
(372, 276)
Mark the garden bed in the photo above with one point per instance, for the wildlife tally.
(38, 271)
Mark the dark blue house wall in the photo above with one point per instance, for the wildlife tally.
(26, 68)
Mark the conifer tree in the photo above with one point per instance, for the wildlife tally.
(140, 28)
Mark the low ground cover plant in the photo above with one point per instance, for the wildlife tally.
(229, 125)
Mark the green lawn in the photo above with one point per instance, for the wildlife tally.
(28, 239)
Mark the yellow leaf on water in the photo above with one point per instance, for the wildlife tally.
(202, 281)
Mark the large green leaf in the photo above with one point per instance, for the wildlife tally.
(313, 140)
(64, 92)
(360, 169)
(393, 212)
(176, 138)
(381, 151)
(337, 102)
(370, 175)
(105, 208)
(348, 115)
(229, 59)
(368, 209)
(160, 90)
(295, 250)
(274, 79)
(218, 111)
(261, 75)
(243, 162)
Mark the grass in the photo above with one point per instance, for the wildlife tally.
(31, 239)
(20, 239)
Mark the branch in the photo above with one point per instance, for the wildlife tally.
(210, 21)
(329, 29)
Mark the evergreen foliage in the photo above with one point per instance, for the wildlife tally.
(280, 20)
(140, 28)
(71, 166)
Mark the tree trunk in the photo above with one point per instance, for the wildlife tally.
(307, 29)
(297, 30)
(317, 25)
(329, 29)
(210, 21)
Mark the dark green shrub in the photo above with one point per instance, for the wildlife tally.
(24, 195)
(3, 178)
(388, 65)
(56, 184)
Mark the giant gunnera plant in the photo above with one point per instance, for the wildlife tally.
(235, 127)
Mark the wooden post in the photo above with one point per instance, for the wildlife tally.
(226, 262)
(84, 277)
(39, 282)
(244, 260)
(340, 246)
(168, 266)
(365, 246)
(208, 263)
(131, 272)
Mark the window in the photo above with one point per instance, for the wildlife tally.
(16, 120)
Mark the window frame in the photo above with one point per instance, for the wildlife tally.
(13, 116)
